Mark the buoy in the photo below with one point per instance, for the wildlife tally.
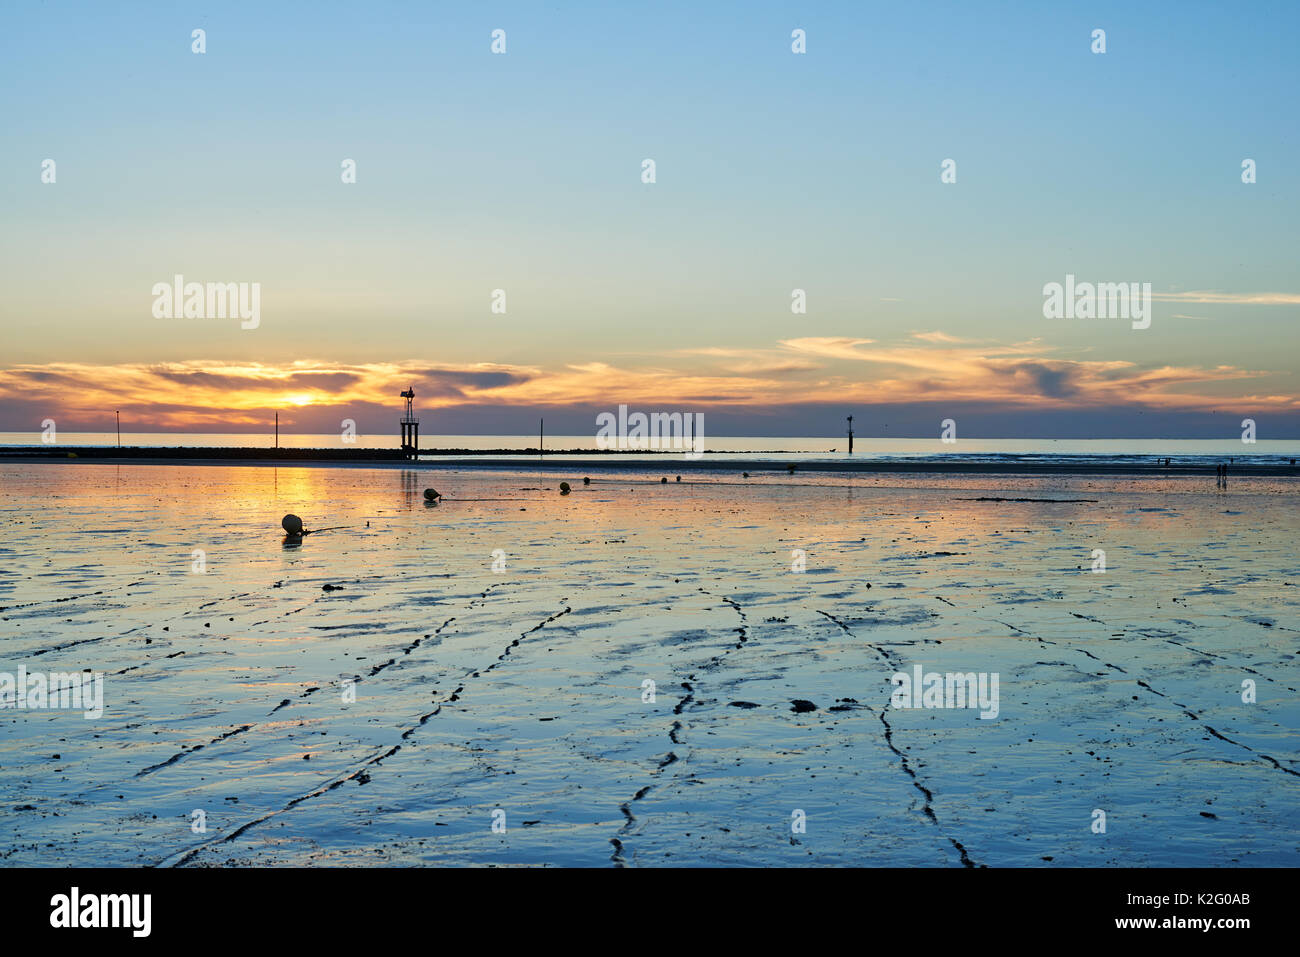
(663, 481)
(431, 495)
(291, 524)
(679, 478)
(745, 474)
(587, 481)
(564, 488)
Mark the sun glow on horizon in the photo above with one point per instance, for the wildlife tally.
(928, 366)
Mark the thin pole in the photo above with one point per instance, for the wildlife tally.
(541, 437)
(277, 430)
(119, 427)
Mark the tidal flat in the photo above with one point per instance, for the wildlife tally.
(646, 674)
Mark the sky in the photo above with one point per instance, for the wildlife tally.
(774, 172)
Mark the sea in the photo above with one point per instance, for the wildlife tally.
(782, 448)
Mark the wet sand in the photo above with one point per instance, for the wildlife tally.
(521, 688)
(648, 462)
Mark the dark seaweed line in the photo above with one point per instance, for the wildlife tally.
(377, 669)
(198, 747)
(1210, 654)
(1245, 747)
(928, 794)
(122, 671)
(880, 652)
(1191, 714)
(342, 778)
(672, 757)
(56, 601)
(889, 740)
(186, 856)
(1188, 711)
(1189, 648)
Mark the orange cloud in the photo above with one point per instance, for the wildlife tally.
(210, 395)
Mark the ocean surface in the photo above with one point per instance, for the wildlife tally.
(786, 449)
(638, 674)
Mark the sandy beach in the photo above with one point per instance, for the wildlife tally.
(386, 690)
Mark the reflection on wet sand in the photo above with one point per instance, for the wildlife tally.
(434, 667)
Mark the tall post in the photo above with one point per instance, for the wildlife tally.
(277, 430)
(118, 413)
(410, 426)
(850, 435)
(541, 437)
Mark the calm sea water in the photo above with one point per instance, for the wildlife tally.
(804, 448)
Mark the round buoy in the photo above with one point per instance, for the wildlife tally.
(587, 481)
(663, 481)
(679, 478)
(745, 474)
(291, 524)
(564, 488)
(431, 494)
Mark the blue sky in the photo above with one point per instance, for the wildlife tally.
(775, 171)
